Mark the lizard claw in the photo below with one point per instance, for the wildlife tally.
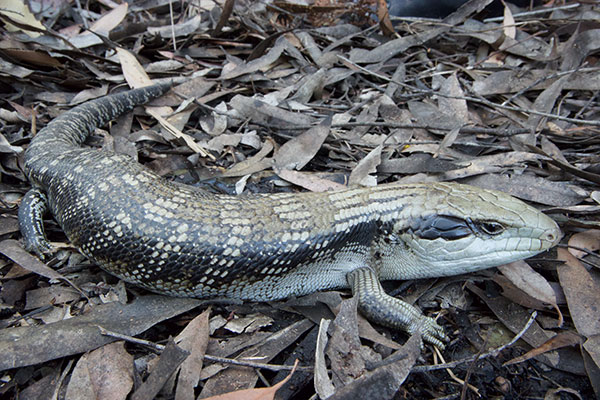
(431, 331)
(40, 247)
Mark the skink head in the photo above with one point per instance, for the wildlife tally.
(458, 229)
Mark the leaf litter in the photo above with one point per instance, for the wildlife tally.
(313, 95)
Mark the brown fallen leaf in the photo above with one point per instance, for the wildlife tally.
(266, 349)
(397, 46)
(588, 240)
(582, 292)
(508, 24)
(529, 281)
(562, 339)
(54, 294)
(225, 15)
(383, 15)
(251, 165)
(592, 358)
(580, 45)
(323, 385)
(102, 26)
(514, 317)
(531, 188)
(255, 394)
(512, 292)
(310, 87)
(366, 331)
(89, 94)
(544, 103)
(348, 357)
(103, 374)
(515, 81)
(248, 324)
(453, 101)
(260, 112)
(20, 12)
(231, 71)
(490, 163)
(136, 77)
(386, 378)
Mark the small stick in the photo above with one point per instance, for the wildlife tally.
(160, 347)
(494, 352)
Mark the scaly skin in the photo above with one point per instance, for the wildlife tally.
(182, 241)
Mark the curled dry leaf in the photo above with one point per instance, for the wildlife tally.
(580, 244)
(360, 175)
(323, 385)
(558, 341)
(102, 27)
(248, 324)
(20, 13)
(508, 24)
(531, 282)
(255, 394)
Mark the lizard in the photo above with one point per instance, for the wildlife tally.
(180, 240)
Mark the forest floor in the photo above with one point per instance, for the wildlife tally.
(292, 95)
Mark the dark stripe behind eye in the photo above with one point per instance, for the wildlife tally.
(440, 226)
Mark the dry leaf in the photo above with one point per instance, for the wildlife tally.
(368, 165)
(588, 240)
(528, 280)
(102, 27)
(255, 394)
(558, 341)
(531, 283)
(103, 374)
(298, 152)
(193, 339)
(308, 181)
(18, 11)
(582, 293)
(508, 24)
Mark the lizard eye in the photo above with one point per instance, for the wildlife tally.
(489, 227)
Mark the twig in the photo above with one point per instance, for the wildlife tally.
(394, 125)
(534, 12)
(492, 353)
(537, 82)
(61, 379)
(474, 99)
(464, 129)
(160, 347)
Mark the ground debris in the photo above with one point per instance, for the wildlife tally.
(279, 95)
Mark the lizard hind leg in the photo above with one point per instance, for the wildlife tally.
(31, 212)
